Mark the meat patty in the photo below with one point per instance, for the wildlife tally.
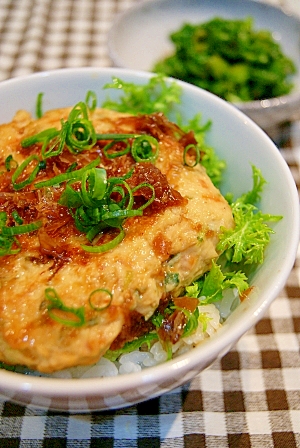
(175, 238)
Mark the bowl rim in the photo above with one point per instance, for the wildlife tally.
(213, 346)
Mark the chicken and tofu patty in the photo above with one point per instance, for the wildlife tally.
(50, 280)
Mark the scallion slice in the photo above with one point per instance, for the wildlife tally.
(7, 244)
(96, 249)
(17, 218)
(145, 148)
(196, 150)
(10, 163)
(22, 168)
(69, 175)
(91, 100)
(100, 292)
(21, 229)
(143, 185)
(113, 155)
(38, 107)
(42, 137)
(93, 186)
(72, 317)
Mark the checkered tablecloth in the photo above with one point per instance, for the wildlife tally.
(250, 398)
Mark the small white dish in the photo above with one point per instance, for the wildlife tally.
(241, 143)
(140, 37)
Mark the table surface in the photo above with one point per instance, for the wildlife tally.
(251, 397)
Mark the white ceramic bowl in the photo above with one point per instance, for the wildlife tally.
(140, 37)
(241, 143)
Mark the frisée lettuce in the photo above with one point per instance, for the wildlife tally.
(241, 248)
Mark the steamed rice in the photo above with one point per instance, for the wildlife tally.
(139, 360)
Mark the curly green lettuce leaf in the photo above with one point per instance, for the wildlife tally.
(209, 288)
(155, 96)
(246, 242)
(158, 95)
(254, 195)
(131, 346)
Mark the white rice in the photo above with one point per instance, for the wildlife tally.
(139, 360)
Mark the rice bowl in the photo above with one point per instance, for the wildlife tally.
(231, 130)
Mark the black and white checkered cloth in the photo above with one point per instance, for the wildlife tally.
(250, 398)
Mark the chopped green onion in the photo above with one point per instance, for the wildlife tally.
(80, 135)
(145, 149)
(106, 246)
(70, 198)
(21, 229)
(117, 187)
(70, 175)
(113, 155)
(91, 100)
(121, 214)
(6, 245)
(3, 218)
(7, 241)
(41, 137)
(77, 315)
(187, 149)
(96, 207)
(107, 302)
(77, 133)
(142, 185)
(17, 218)
(72, 167)
(97, 183)
(116, 137)
(57, 139)
(100, 203)
(95, 230)
(21, 168)
(38, 108)
(10, 163)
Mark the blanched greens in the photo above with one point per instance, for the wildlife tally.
(230, 59)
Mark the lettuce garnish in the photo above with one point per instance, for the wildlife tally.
(209, 288)
(240, 247)
(155, 96)
(247, 241)
(159, 96)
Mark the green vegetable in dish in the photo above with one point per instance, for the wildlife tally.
(242, 248)
(230, 59)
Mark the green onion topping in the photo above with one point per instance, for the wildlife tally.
(97, 297)
(91, 100)
(9, 245)
(100, 204)
(145, 149)
(72, 317)
(38, 108)
(188, 149)
(31, 160)
(10, 163)
(69, 175)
